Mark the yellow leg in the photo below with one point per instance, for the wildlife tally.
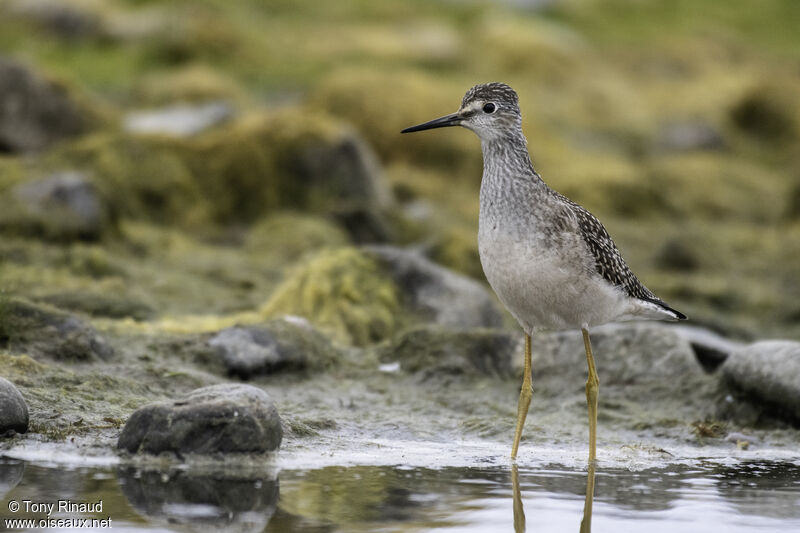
(592, 387)
(524, 397)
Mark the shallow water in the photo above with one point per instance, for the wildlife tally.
(745, 497)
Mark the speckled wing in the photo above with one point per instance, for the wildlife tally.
(609, 262)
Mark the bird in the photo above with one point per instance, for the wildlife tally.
(550, 261)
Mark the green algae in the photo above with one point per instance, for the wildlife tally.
(292, 234)
(65, 402)
(12, 172)
(437, 350)
(136, 179)
(374, 102)
(343, 292)
(268, 161)
(196, 82)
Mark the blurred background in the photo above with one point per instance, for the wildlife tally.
(161, 160)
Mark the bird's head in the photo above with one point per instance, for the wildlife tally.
(491, 110)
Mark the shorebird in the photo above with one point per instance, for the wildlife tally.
(551, 263)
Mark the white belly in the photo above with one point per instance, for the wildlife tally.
(551, 288)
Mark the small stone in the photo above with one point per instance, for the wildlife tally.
(179, 120)
(689, 136)
(225, 418)
(768, 373)
(13, 409)
(63, 205)
(437, 294)
(284, 344)
(246, 351)
(34, 112)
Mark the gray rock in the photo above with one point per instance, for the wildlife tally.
(179, 120)
(215, 501)
(66, 19)
(279, 345)
(625, 354)
(768, 373)
(432, 349)
(34, 112)
(437, 294)
(13, 409)
(225, 418)
(42, 331)
(64, 205)
(348, 171)
(648, 377)
(688, 136)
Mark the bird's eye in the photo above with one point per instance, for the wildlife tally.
(489, 108)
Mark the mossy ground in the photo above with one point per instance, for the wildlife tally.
(216, 229)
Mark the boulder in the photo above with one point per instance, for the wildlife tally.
(625, 355)
(43, 331)
(433, 349)
(648, 373)
(62, 206)
(34, 112)
(436, 294)
(768, 374)
(225, 418)
(284, 344)
(13, 409)
(180, 120)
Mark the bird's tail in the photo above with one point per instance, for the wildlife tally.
(666, 312)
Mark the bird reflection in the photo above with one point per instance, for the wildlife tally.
(519, 510)
(586, 523)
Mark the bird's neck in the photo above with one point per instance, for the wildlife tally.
(506, 157)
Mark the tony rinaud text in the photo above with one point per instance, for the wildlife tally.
(62, 506)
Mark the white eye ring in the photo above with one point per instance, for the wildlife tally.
(489, 108)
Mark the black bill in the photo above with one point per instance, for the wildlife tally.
(441, 122)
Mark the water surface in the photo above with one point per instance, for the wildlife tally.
(707, 496)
